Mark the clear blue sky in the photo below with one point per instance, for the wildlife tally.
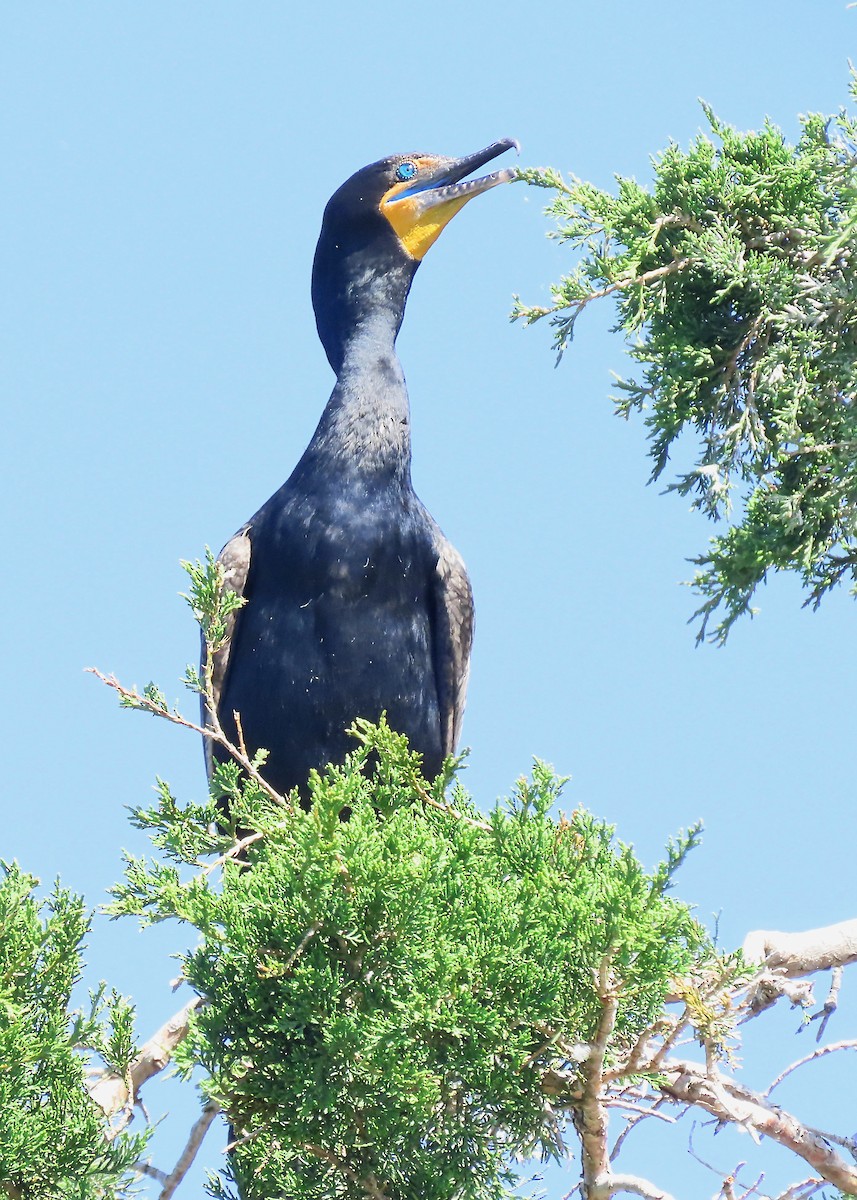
(166, 165)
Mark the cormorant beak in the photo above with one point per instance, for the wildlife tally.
(421, 205)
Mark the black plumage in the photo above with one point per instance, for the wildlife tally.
(356, 604)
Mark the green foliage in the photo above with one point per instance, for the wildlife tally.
(735, 274)
(211, 603)
(384, 993)
(52, 1136)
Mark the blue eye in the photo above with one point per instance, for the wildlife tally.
(405, 170)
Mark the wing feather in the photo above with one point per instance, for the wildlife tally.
(454, 620)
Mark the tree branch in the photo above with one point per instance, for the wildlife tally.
(634, 1185)
(369, 1186)
(115, 1093)
(593, 1116)
(212, 733)
(796, 954)
(200, 1129)
(734, 1104)
(850, 1044)
(623, 284)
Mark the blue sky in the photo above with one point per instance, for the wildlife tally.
(166, 167)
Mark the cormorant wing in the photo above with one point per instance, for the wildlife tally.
(234, 560)
(453, 611)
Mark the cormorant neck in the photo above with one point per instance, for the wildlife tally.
(359, 294)
(360, 286)
(360, 283)
(365, 430)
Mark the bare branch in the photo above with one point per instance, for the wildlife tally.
(829, 1007)
(796, 954)
(770, 986)
(850, 1044)
(593, 1117)
(212, 732)
(146, 1168)
(753, 1189)
(115, 1094)
(733, 1103)
(836, 1139)
(640, 1114)
(185, 1162)
(802, 1190)
(234, 851)
(632, 1185)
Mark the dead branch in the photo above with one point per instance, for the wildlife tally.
(146, 1168)
(802, 1190)
(829, 1007)
(770, 986)
(734, 1104)
(640, 1114)
(632, 1185)
(850, 1044)
(212, 732)
(187, 1156)
(796, 954)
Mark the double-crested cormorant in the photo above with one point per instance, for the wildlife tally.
(356, 604)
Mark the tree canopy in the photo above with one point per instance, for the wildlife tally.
(735, 277)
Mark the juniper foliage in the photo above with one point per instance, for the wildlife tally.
(735, 276)
(52, 1136)
(384, 993)
(388, 974)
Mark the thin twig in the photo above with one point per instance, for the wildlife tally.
(850, 1044)
(679, 1024)
(728, 1179)
(213, 732)
(829, 1007)
(233, 851)
(802, 1190)
(239, 729)
(428, 799)
(753, 1188)
(627, 281)
(305, 940)
(640, 1115)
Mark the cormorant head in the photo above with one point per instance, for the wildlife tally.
(378, 225)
